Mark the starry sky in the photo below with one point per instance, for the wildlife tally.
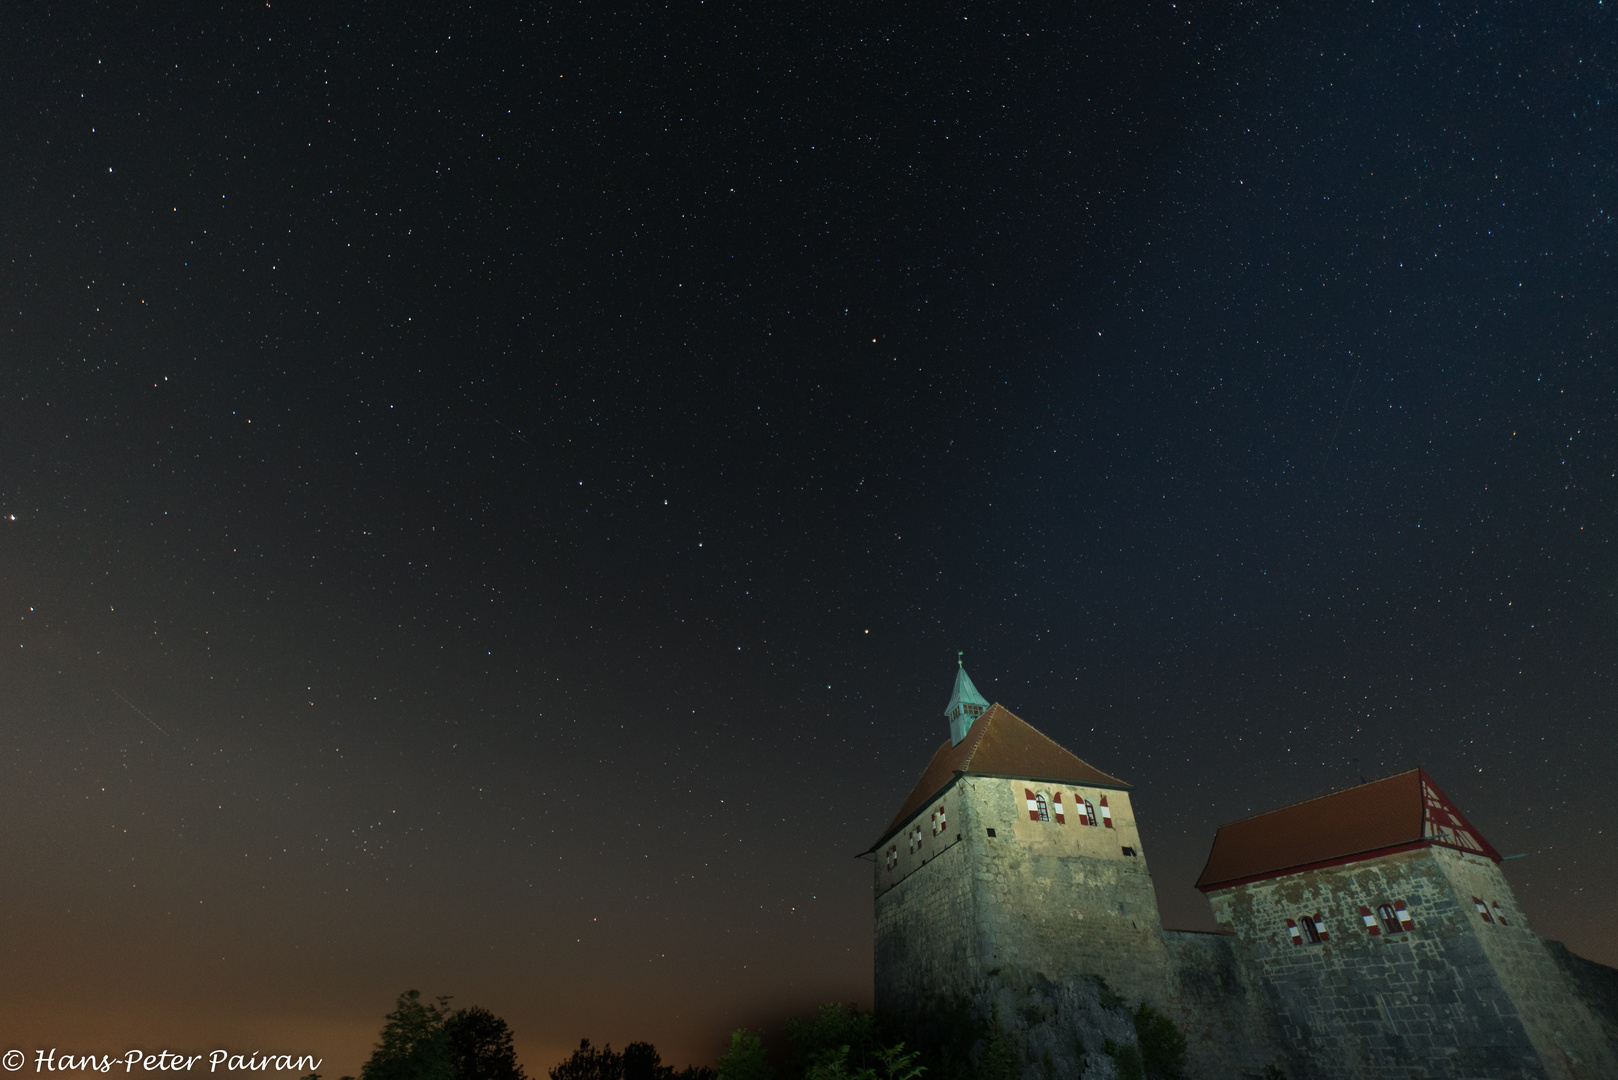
(492, 494)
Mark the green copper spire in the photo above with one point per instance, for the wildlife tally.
(965, 704)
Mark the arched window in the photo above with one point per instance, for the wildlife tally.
(1390, 921)
(1089, 812)
(1043, 806)
(1311, 933)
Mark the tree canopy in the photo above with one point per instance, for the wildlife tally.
(414, 1044)
(638, 1061)
(480, 1046)
(426, 1040)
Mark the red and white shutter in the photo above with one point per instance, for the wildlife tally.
(935, 822)
(942, 824)
(1320, 927)
(1370, 921)
(1297, 935)
(1483, 910)
(1106, 813)
(1056, 807)
(1033, 807)
(1404, 915)
(893, 856)
(1499, 916)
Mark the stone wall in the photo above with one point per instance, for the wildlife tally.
(925, 945)
(1430, 1002)
(1228, 1019)
(982, 912)
(1569, 1038)
(1064, 899)
(1041, 897)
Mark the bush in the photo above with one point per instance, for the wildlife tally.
(1162, 1046)
(840, 1037)
(744, 1059)
(1127, 1059)
(1110, 998)
(999, 1059)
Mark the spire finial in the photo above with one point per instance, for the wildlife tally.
(965, 704)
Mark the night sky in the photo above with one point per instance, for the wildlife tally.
(490, 495)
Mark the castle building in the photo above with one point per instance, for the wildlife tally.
(1367, 934)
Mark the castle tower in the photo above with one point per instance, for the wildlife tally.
(1393, 945)
(1010, 852)
(965, 704)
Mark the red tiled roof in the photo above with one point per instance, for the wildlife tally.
(1395, 812)
(999, 743)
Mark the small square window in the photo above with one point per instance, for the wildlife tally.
(1130, 852)
(991, 832)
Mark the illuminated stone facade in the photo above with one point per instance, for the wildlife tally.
(1368, 934)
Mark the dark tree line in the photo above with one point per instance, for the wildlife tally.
(427, 1040)
(638, 1061)
(840, 1043)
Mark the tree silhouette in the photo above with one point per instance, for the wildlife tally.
(745, 1059)
(588, 1063)
(414, 1043)
(480, 1046)
(639, 1061)
(643, 1062)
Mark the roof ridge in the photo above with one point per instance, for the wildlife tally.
(987, 716)
(1011, 747)
(1317, 798)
